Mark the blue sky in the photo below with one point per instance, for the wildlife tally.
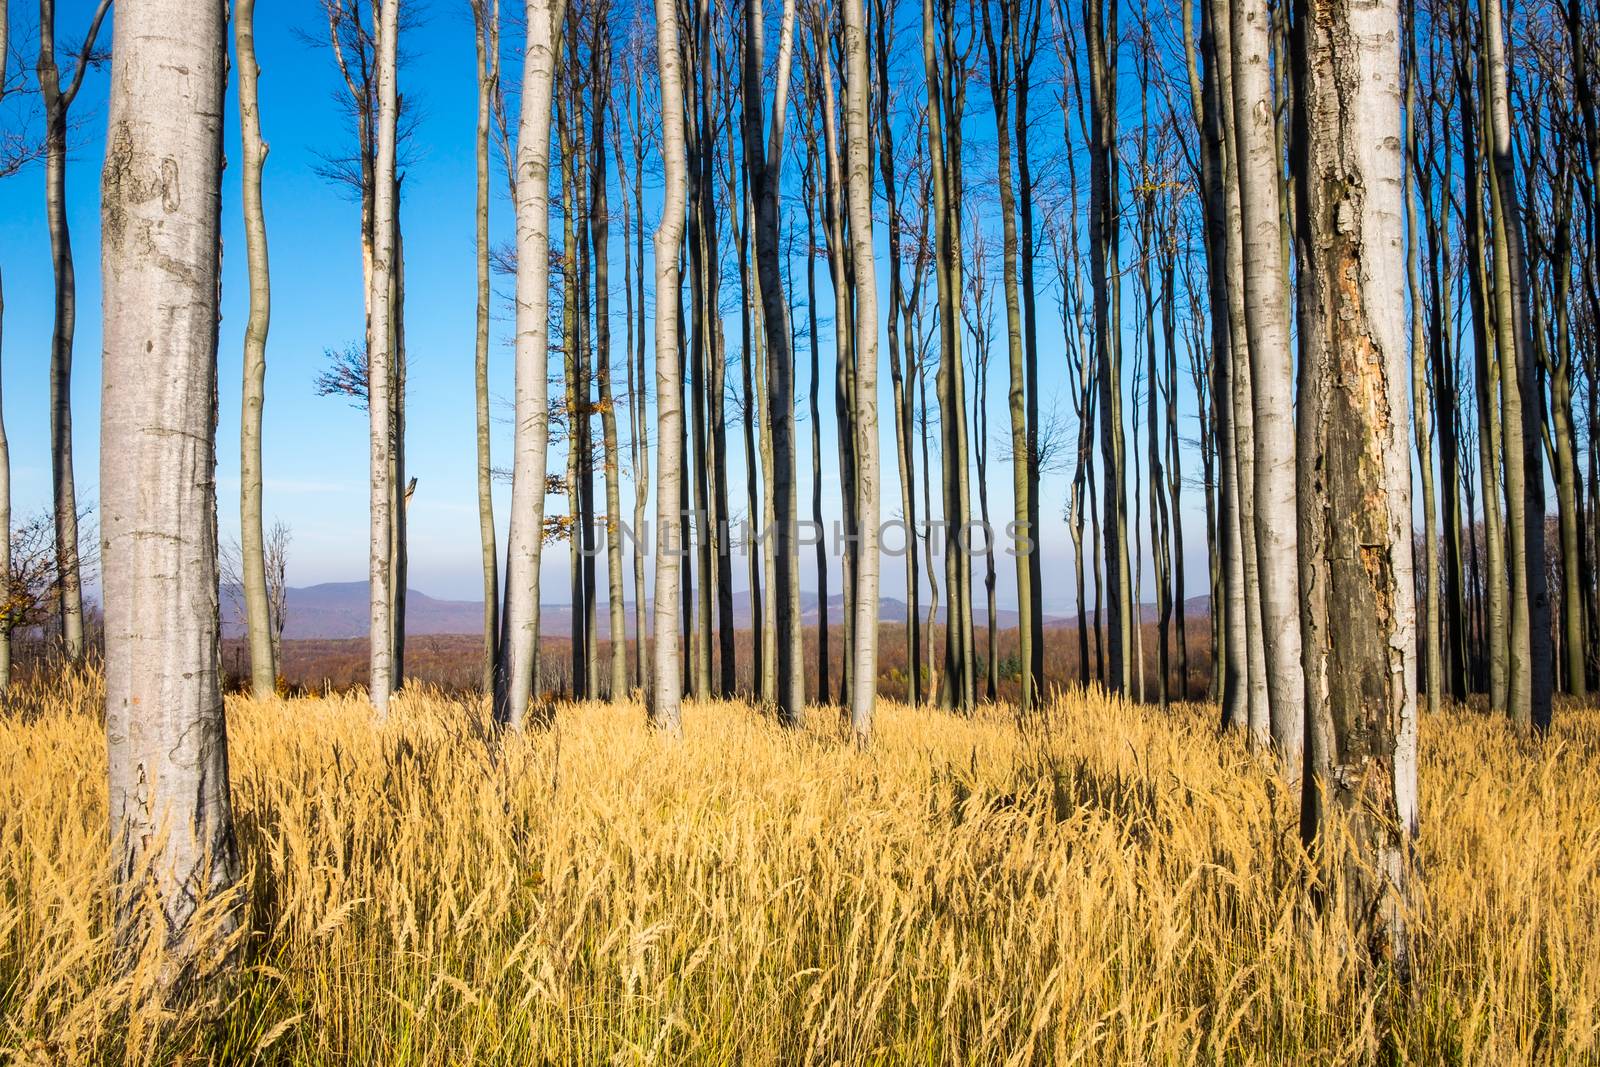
(316, 447)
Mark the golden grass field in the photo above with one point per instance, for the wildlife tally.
(1117, 887)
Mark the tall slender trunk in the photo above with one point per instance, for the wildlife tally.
(1245, 602)
(1522, 408)
(1267, 331)
(600, 242)
(1001, 75)
(400, 486)
(899, 353)
(1569, 481)
(1494, 631)
(1100, 30)
(1441, 349)
(486, 15)
(637, 400)
(573, 379)
(757, 463)
(809, 195)
(57, 107)
(946, 74)
(836, 220)
(667, 691)
(1025, 45)
(380, 365)
(863, 698)
(764, 158)
(517, 668)
(167, 746)
(1359, 615)
(1433, 642)
(263, 668)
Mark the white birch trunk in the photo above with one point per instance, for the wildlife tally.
(519, 627)
(666, 692)
(252, 551)
(1359, 616)
(1266, 318)
(161, 199)
(864, 673)
(380, 366)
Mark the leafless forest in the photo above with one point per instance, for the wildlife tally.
(1309, 283)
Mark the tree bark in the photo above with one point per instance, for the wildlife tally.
(167, 748)
(486, 18)
(380, 366)
(667, 691)
(253, 569)
(1359, 615)
(1001, 76)
(764, 158)
(864, 675)
(1522, 408)
(515, 674)
(899, 352)
(600, 241)
(57, 107)
(1433, 643)
(1100, 31)
(1272, 428)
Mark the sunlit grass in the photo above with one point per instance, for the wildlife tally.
(1113, 887)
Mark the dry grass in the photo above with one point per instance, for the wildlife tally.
(1119, 888)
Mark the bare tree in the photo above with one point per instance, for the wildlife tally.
(166, 738)
(263, 658)
(763, 148)
(517, 666)
(666, 693)
(58, 100)
(1266, 321)
(864, 673)
(486, 38)
(1359, 613)
(380, 363)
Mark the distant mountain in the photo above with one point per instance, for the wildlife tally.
(340, 609)
(336, 610)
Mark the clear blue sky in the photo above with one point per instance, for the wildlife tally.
(316, 447)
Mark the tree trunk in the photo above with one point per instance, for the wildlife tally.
(765, 161)
(1433, 643)
(400, 486)
(515, 674)
(1522, 408)
(1001, 53)
(487, 39)
(1359, 615)
(1100, 30)
(380, 366)
(946, 79)
(899, 353)
(600, 241)
(1494, 600)
(1272, 428)
(1246, 601)
(864, 676)
(667, 691)
(167, 749)
(809, 195)
(253, 569)
(57, 106)
(1025, 45)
